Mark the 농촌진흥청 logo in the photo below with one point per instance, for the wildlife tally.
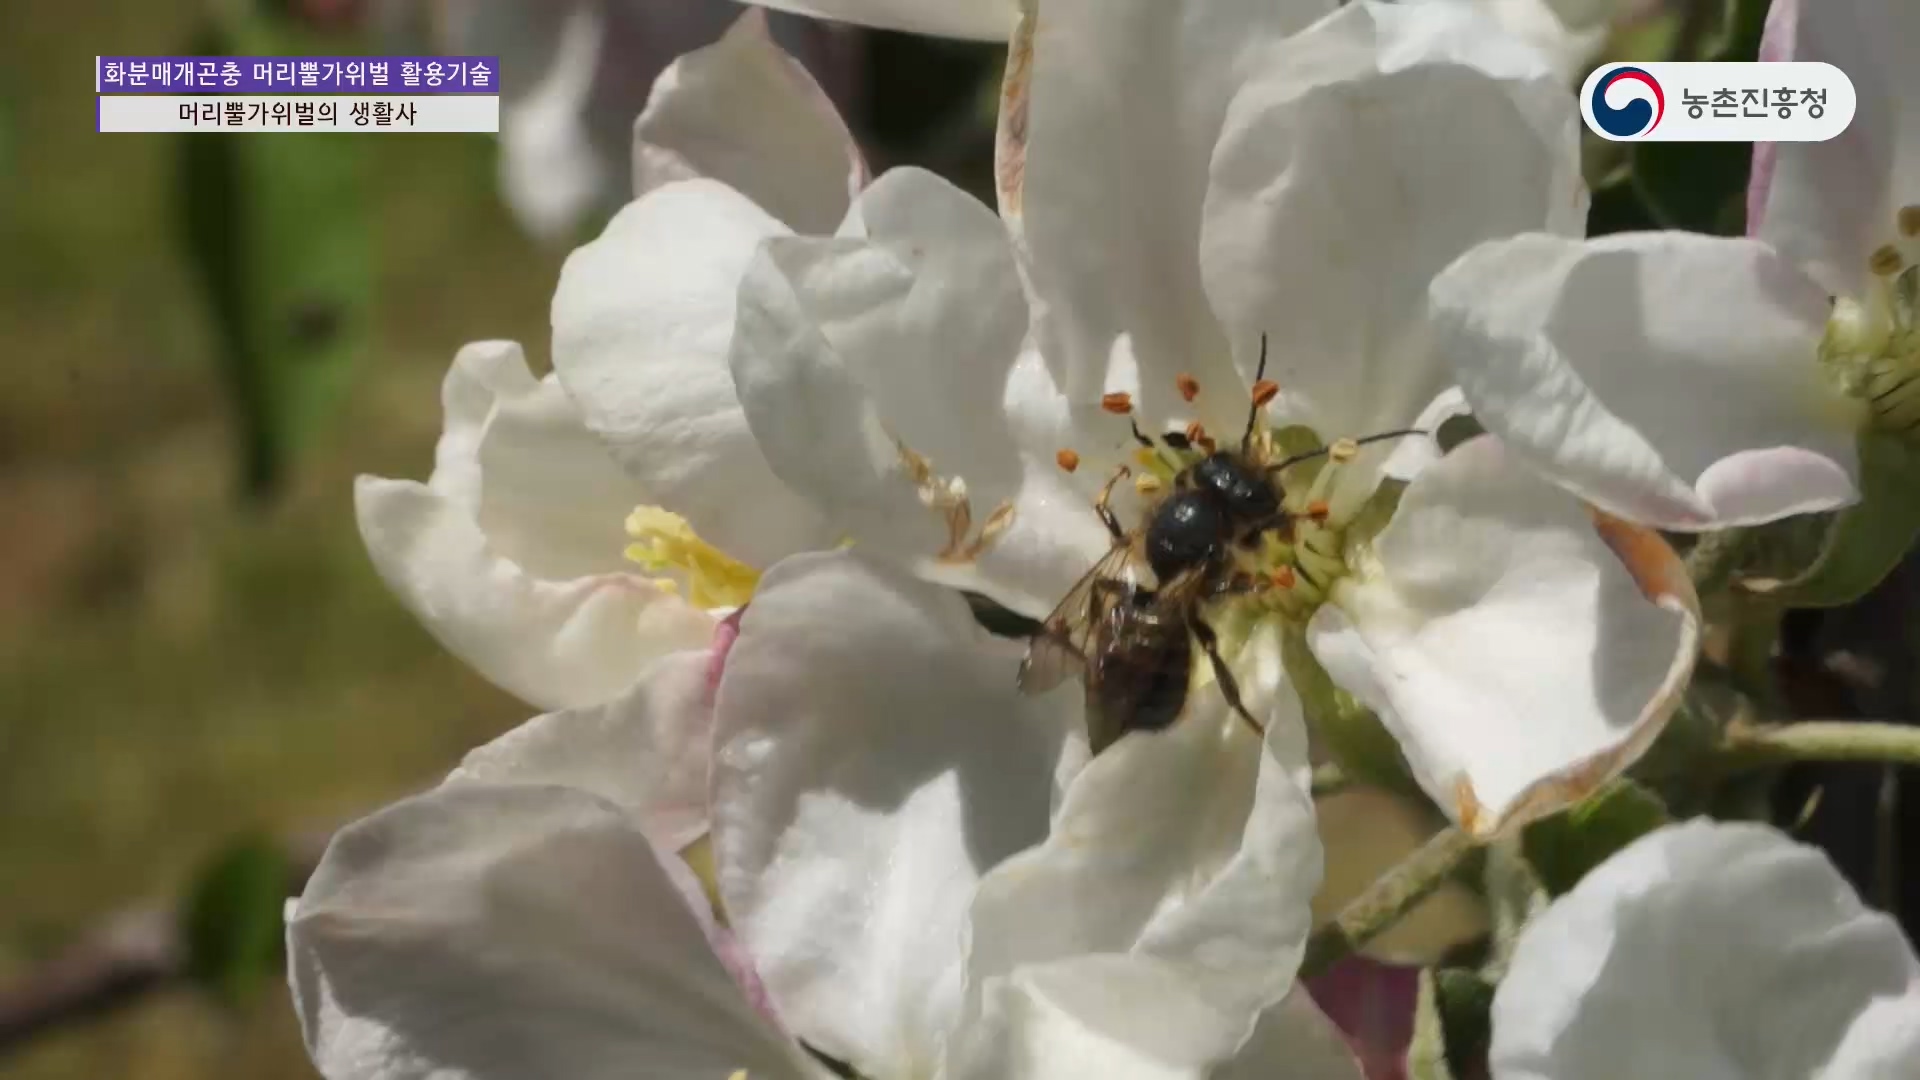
(1641, 103)
(1797, 101)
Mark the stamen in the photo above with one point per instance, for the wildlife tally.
(999, 521)
(1342, 451)
(1284, 578)
(1319, 509)
(1196, 433)
(663, 541)
(1119, 403)
(1188, 385)
(1264, 391)
(1908, 218)
(1886, 261)
(1067, 460)
(1148, 484)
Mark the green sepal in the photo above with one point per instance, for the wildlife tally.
(1564, 847)
(1868, 539)
(233, 920)
(1452, 1026)
(278, 230)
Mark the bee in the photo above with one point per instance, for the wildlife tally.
(1129, 626)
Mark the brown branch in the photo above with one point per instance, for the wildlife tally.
(125, 957)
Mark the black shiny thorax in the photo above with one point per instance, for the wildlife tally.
(1215, 502)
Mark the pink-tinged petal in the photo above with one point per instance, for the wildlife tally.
(744, 113)
(1519, 655)
(483, 932)
(1590, 360)
(1373, 1003)
(1829, 205)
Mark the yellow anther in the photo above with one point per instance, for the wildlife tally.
(1342, 451)
(663, 541)
(1886, 261)
(1148, 484)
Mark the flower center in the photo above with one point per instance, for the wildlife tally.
(1289, 567)
(1872, 344)
(663, 542)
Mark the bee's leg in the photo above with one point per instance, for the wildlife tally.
(1229, 687)
(1101, 507)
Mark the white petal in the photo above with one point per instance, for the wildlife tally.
(1119, 109)
(986, 20)
(642, 322)
(498, 933)
(555, 643)
(647, 752)
(1129, 1018)
(909, 329)
(745, 113)
(1592, 361)
(873, 759)
(1710, 950)
(1505, 643)
(1389, 141)
(511, 554)
(1193, 848)
(1829, 205)
(551, 171)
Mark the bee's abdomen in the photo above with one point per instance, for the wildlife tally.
(1142, 685)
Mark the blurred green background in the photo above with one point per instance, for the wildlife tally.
(177, 667)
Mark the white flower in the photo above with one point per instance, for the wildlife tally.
(881, 798)
(514, 554)
(1182, 180)
(1710, 949)
(1692, 382)
(574, 73)
(1569, 33)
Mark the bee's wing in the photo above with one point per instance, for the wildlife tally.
(1065, 643)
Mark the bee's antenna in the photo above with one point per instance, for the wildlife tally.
(1253, 411)
(1328, 449)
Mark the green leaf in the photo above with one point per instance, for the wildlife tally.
(1740, 38)
(232, 920)
(1514, 896)
(1618, 206)
(1453, 1025)
(1701, 187)
(277, 228)
(1868, 538)
(1564, 847)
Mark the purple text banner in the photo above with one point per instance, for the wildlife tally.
(296, 74)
